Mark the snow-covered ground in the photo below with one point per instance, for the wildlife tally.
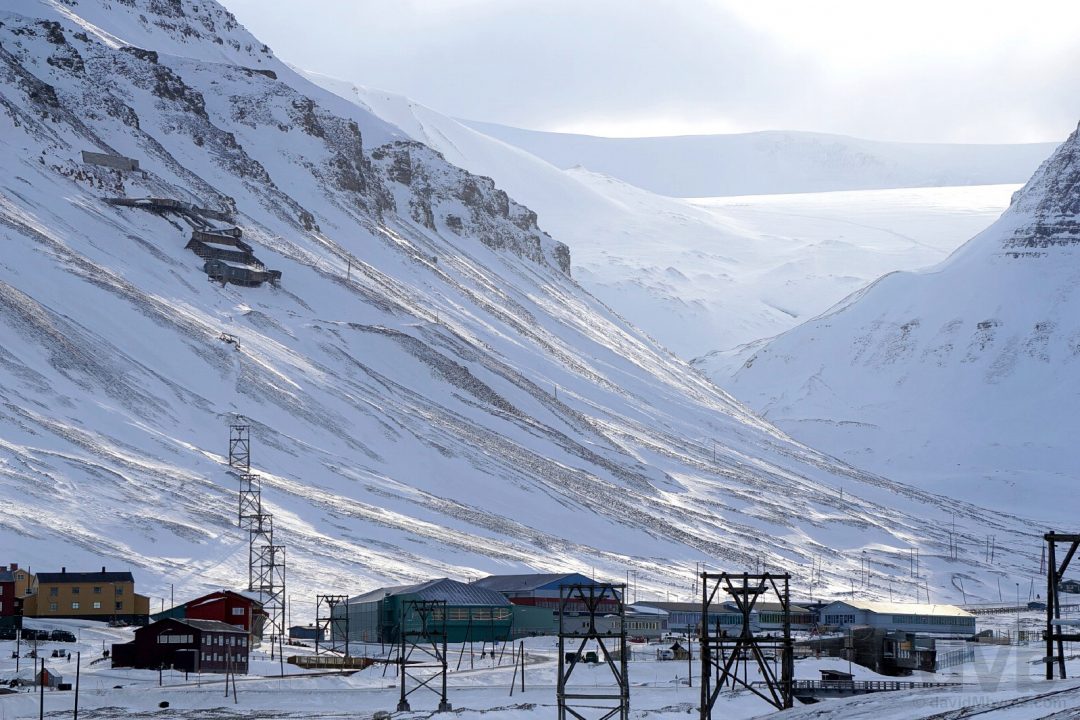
(1004, 681)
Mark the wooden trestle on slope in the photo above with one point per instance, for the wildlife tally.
(228, 259)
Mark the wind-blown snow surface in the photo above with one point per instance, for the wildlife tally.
(430, 393)
(962, 378)
(776, 161)
(703, 274)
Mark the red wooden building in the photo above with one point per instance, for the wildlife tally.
(224, 606)
(7, 592)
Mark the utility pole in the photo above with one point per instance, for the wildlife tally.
(78, 666)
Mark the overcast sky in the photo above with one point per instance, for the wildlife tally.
(917, 70)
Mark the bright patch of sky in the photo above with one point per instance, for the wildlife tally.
(956, 71)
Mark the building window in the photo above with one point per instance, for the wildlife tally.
(75, 590)
(205, 640)
(119, 590)
(52, 607)
(97, 605)
(74, 606)
(97, 589)
(119, 605)
(238, 611)
(54, 591)
(172, 639)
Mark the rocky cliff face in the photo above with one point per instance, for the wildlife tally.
(444, 198)
(90, 83)
(1051, 200)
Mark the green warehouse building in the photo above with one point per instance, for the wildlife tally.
(473, 614)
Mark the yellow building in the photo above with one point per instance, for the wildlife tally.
(101, 595)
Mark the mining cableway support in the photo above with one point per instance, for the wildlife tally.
(332, 631)
(722, 650)
(1055, 573)
(422, 651)
(593, 613)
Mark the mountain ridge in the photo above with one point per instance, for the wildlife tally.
(429, 392)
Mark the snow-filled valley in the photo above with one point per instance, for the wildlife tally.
(708, 275)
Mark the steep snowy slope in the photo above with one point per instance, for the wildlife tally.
(430, 392)
(776, 162)
(962, 378)
(705, 274)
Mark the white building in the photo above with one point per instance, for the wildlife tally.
(897, 616)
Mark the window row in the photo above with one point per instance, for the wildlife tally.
(933, 620)
(54, 591)
(174, 639)
(96, 605)
(218, 658)
(230, 640)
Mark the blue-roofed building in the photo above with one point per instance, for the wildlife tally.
(539, 589)
(473, 614)
(536, 598)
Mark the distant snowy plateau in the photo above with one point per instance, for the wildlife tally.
(430, 390)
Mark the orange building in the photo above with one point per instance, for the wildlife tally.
(106, 596)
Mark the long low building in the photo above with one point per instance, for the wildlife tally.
(896, 616)
(473, 614)
(685, 617)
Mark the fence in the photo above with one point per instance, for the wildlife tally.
(953, 658)
(865, 686)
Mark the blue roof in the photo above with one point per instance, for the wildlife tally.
(452, 591)
(532, 581)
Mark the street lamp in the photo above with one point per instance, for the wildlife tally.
(1017, 613)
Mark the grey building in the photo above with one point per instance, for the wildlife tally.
(646, 622)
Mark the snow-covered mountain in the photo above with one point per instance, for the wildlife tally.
(962, 378)
(776, 161)
(430, 391)
(706, 274)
